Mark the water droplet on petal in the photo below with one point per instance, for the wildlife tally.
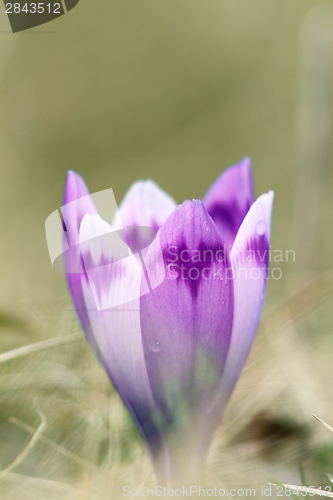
(261, 227)
(155, 346)
(173, 272)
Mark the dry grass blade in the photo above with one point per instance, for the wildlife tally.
(322, 422)
(53, 445)
(309, 489)
(29, 447)
(39, 346)
(306, 299)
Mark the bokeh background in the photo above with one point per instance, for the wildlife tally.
(176, 91)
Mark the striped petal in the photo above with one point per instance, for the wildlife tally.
(111, 291)
(144, 204)
(250, 263)
(230, 198)
(76, 191)
(113, 333)
(114, 275)
(143, 211)
(186, 323)
(76, 204)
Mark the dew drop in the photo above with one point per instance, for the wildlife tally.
(155, 346)
(173, 272)
(261, 227)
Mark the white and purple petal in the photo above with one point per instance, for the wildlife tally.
(186, 321)
(114, 316)
(142, 212)
(230, 198)
(144, 204)
(76, 204)
(114, 334)
(250, 262)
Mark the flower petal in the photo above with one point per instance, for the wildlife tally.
(250, 262)
(76, 204)
(76, 191)
(186, 321)
(115, 276)
(144, 204)
(230, 198)
(114, 334)
(111, 289)
(143, 210)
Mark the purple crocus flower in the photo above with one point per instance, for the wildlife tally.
(178, 333)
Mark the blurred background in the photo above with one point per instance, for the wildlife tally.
(175, 91)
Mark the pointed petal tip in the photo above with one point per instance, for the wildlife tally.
(264, 204)
(191, 204)
(246, 160)
(244, 166)
(230, 198)
(255, 232)
(145, 204)
(144, 185)
(191, 210)
(71, 172)
(93, 225)
(73, 176)
(270, 196)
(245, 163)
(241, 171)
(75, 187)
